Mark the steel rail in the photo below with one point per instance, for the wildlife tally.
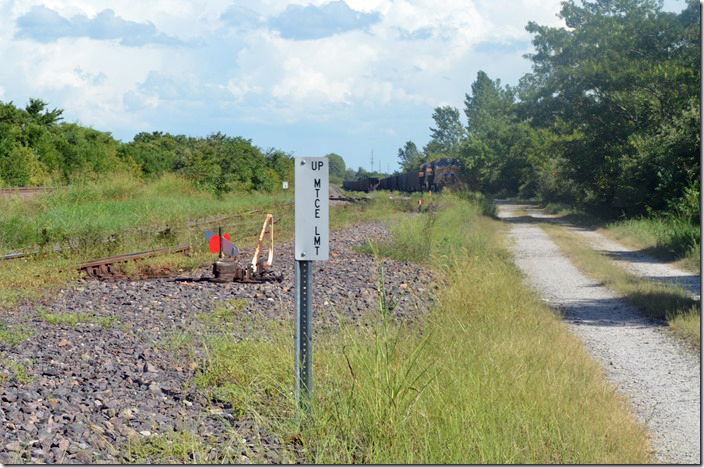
(132, 256)
(17, 190)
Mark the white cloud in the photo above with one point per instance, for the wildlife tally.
(374, 67)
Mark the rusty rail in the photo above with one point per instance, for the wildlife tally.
(27, 190)
(132, 256)
(14, 255)
(337, 194)
(102, 267)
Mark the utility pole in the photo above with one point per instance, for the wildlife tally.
(372, 170)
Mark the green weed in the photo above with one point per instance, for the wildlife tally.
(223, 312)
(669, 238)
(73, 319)
(183, 447)
(509, 383)
(12, 335)
(20, 370)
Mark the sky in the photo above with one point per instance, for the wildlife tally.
(352, 77)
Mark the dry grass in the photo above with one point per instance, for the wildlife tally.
(491, 376)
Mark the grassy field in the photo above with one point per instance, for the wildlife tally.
(659, 301)
(667, 238)
(120, 215)
(490, 376)
(120, 209)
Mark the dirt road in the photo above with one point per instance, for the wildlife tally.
(660, 379)
(632, 260)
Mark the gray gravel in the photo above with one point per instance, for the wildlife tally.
(660, 379)
(108, 378)
(632, 260)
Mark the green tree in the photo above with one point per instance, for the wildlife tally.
(619, 73)
(409, 157)
(446, 138)
(337, 166)
(281, 163)
(499, 154)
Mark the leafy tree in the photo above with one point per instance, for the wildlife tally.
(282, 165)
(446, 138)
(361, 173)
(337, 165)
(48, 118)
(489, 107)
(409, 157)
(498, 155)
(619, 73)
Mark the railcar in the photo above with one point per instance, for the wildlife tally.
(430, 177)
(368, 184)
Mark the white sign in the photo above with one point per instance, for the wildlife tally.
(285, 185)
(312, 207)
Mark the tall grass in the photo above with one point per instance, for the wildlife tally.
(497, 379)
(489, 376)
(671, 238)
(120, 215)
(93, 212)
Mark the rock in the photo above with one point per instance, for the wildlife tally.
(77, 428)
(125, 377)
(29, 428)
(13, 447)
(97, 429)
(84, 457)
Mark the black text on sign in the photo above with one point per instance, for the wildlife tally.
(312, 209)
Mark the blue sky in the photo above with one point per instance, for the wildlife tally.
(309, 77)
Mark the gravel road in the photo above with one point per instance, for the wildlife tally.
(632, 260)
(75, 394)
(660, 379)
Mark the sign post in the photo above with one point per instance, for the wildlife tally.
(311, 243)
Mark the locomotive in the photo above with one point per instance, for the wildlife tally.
(430, 177)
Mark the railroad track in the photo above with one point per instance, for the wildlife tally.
(338, 195)
(335, 194)
(103, 268)
(27, 191)
(188, 225)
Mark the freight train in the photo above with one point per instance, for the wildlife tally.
(430, 177)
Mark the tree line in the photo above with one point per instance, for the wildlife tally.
(37, 148)
(608, 119)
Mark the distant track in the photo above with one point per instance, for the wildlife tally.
(335, 194)
(27, 191)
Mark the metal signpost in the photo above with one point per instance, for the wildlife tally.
(311, 243)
